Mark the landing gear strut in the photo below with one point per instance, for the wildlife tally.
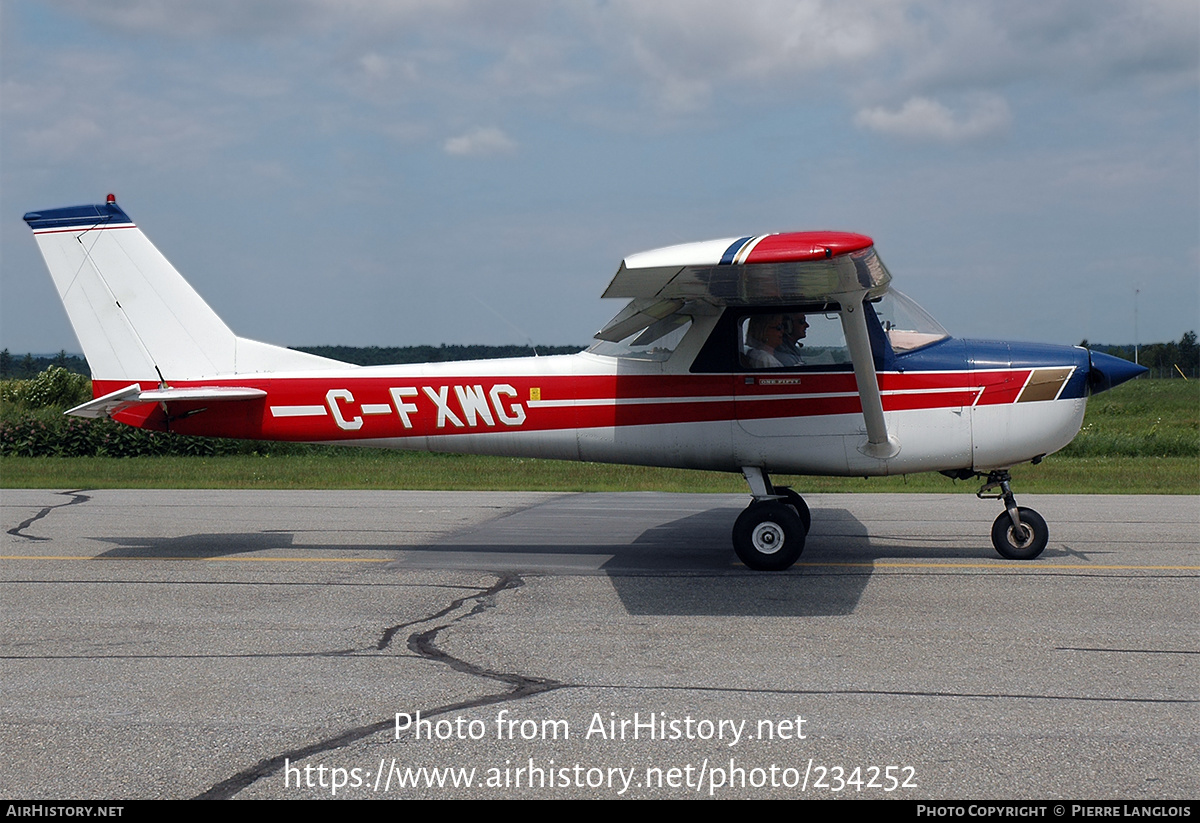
(769, 535)
(1018, 533)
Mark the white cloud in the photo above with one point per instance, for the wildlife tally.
(182, 20)
(481, 142)
(921, 118)
(681, 57)
(537, 63)
(374, 66)
(685, 55)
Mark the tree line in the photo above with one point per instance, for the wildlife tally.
(1165, 360)
(387, 356)
(29, 366)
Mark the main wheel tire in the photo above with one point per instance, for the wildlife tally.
(1008, 542)
(768, 536)
(793, 499)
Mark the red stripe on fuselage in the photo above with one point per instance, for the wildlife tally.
(332, 408)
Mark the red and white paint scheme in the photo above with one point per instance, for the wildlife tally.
(779, 353)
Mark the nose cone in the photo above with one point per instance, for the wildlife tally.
(1106, 371)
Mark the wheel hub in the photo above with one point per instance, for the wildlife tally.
(1020, 538)
(768, 537)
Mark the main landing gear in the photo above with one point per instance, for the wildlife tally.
(1018, 533)
(769, 535)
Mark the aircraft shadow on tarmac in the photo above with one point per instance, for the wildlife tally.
(683, 566)
(201, 546)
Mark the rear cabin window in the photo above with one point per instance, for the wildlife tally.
(656, 342)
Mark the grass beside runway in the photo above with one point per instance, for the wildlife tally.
(372, 469)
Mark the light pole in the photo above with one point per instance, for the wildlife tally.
(1136, 292)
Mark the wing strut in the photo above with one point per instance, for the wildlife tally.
(854, 323)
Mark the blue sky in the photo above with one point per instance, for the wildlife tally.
(371, 173)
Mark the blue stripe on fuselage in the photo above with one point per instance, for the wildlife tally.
(953, 354)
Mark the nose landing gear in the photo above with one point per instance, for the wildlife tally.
(1019, 533)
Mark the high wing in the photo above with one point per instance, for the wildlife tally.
(765, 270)
(795, 267)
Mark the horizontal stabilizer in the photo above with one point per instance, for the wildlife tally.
(133, 395)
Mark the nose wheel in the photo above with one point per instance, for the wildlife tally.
(1019, 533)
(1023, 540)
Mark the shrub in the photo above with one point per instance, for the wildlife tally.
(54, 388)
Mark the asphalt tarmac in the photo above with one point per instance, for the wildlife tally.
(244, 644)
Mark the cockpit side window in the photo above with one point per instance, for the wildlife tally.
(805, 337)
(792, 339)
(809, 336)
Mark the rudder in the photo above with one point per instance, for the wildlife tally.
(134, 314)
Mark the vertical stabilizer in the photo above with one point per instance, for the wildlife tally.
(134, 314)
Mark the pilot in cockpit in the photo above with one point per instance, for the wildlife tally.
(793, 327)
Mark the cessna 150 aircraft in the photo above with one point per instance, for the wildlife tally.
(778, 353)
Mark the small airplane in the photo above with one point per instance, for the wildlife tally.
(778, 353)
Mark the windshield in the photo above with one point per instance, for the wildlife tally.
(907, 325)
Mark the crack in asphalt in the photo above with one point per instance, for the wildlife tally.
(423, 644)
(385, 639)
(76, 496)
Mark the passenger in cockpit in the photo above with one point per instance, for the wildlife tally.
(764, 334)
